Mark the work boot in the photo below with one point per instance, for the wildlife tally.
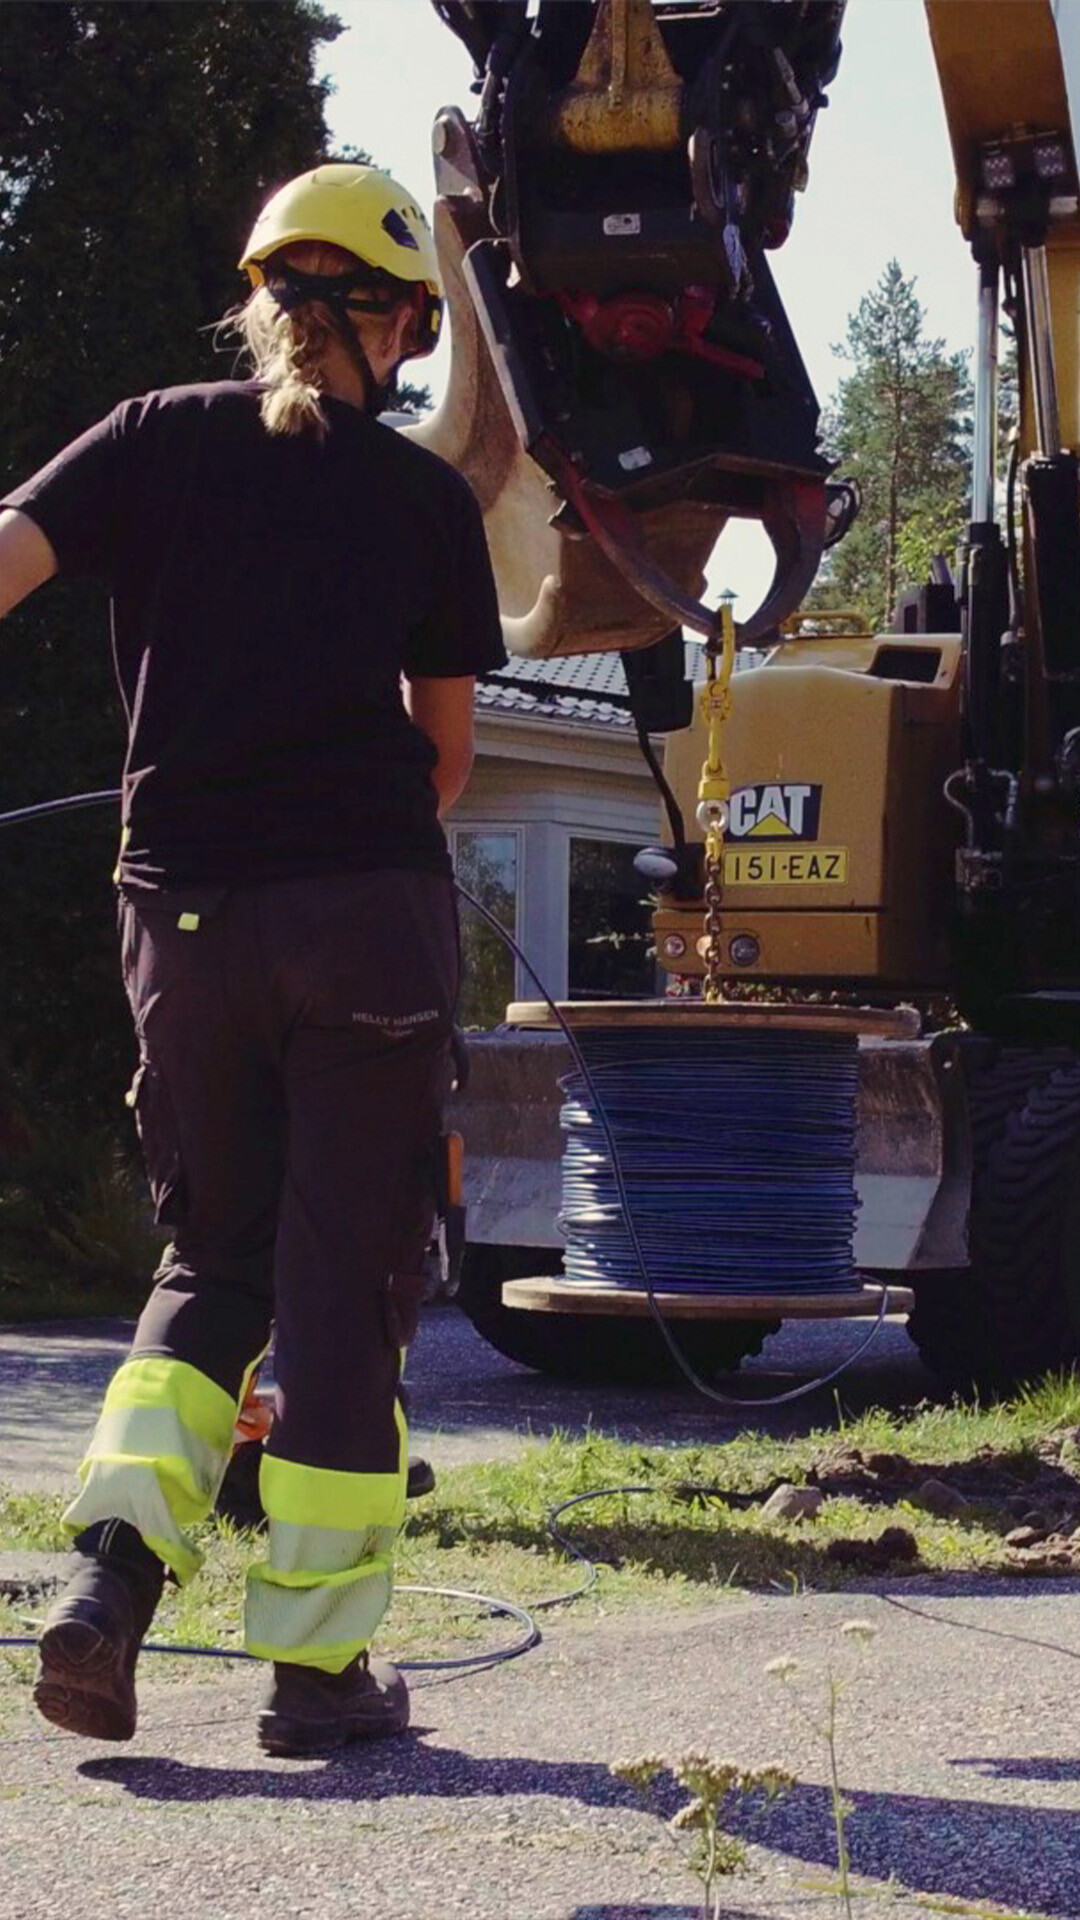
(93, 1631)
(309, 1711)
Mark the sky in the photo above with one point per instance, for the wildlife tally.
(881, 184)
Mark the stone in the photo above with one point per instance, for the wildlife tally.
(887, 1465)
(1027, 1560)
(898, 1543)
(939, 1498)
(25, 1575)
(1048, 1558)
(1035, 1517)
(1023, 1537)
(1018, 1504)
(793, 1503)
(893, 1545)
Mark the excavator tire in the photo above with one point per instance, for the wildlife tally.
(586, 1347)
(956, 1335)
(1025, 1235)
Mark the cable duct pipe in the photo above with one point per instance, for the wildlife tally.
(984, 437)
(1040, 330)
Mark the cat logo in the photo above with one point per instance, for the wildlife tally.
(790, 811)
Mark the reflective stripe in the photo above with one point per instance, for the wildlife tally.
(125, 842)
(309, 1556)
(156, 1437)
(157, 1456)
(131, 1490)
(250, 1372)
(155, 1380)
(328, 1577)
(323, 1625)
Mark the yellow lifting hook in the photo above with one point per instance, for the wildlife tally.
(714, 787)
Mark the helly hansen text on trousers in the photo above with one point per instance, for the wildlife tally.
(293, 1059)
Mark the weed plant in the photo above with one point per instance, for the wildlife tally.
(715, 1787)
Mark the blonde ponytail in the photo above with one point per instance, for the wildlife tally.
(286, 351)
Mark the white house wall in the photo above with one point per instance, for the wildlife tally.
(553, 781)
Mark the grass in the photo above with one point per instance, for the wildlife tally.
(484, 1529)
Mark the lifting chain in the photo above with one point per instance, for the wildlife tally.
(714, 787)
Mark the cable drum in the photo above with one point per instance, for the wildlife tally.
(738, 1151)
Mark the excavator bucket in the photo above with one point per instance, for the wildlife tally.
(624, 379)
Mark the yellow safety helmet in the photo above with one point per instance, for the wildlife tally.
(367, 213)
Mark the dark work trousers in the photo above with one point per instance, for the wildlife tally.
(294, 1057)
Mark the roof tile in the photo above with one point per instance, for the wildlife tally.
(575, 686)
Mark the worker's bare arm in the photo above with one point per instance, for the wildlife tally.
(443, 709)
(26, 558)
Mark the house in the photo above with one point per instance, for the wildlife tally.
(559, 801)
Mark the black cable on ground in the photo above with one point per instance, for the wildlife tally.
(497, 1606)
(494, 1605)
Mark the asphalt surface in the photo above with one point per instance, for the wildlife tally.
(957, 1734)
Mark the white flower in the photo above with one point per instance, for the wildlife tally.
(783, 1668)
(862, 1630)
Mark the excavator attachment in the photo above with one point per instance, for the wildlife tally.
(624, 379)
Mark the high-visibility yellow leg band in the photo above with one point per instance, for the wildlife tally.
(320, 1621)
(321, 1497)
(328, 1577)
(157, 1456)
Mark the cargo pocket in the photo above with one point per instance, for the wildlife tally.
(403, 1295)
(155, 1122)
(405, 1284)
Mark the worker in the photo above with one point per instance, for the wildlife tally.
(301, 599)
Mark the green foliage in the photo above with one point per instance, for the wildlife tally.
(611, 945)
(486, 864)
(411, 398)
(899, 425)
(76, 1229)
(136, 146)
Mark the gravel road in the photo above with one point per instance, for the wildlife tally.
(958, 1752)
(958, 1744)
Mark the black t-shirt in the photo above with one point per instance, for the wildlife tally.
(268, 593)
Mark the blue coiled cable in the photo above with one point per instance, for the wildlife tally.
(740, 1152)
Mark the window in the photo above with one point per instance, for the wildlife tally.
(611, 946)
(487, 864)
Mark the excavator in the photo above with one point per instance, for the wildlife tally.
(900, 821)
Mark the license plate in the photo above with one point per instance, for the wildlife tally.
(785, 866)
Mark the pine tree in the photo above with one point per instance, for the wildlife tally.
(899, 425)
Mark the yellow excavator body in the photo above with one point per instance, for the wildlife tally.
(844, 716)
(900, 810)
(836, 868)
